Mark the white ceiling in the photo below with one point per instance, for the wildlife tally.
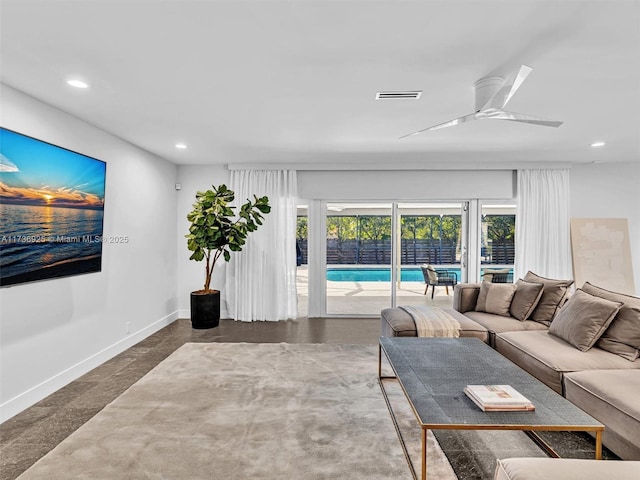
(266, 81)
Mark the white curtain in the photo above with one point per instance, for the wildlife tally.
(261, 279)
(542, 224)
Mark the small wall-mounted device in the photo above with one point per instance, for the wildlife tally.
(178, 186)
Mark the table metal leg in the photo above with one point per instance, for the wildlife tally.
(393, 415)
(541, 443)
(424, 453)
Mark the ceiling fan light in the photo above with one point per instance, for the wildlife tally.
(77, 83)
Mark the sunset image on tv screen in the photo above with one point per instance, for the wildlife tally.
(51, 210)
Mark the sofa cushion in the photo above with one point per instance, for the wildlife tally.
(610, 396)
(525, 299)
(583, 319)
(564, 469)
(548, 357)
(495, 298)
(498, 324)
(623, 335)
(395, 322)
(465, 296)
(553, 294)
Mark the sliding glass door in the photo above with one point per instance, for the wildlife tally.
(375, 253)
(358, 258)
(497, 239)
(429, 234)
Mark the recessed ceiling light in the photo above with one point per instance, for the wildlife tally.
(181, 146)
(78, 83)
(598, 144)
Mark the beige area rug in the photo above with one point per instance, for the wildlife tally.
(240, 411)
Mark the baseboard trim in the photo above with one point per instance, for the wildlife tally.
(28, 398)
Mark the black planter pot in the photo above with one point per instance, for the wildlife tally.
(205, 309)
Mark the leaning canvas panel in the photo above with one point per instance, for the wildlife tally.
(601, 253)
(51, 210)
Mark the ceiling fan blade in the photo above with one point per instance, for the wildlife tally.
(508, 89)
(521, 117)
(493, 108)
(450, 123)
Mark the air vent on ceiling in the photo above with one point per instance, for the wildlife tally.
(384, 95)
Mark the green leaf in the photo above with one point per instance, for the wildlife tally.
(214, 226)
(198, 255)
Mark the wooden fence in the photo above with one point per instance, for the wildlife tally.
(429, 251)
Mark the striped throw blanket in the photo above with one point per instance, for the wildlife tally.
(433, 321)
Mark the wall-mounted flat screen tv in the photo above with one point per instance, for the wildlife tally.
(51, 210)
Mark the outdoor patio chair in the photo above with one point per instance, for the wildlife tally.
(502, 278)
(501, 275)
(438, 278)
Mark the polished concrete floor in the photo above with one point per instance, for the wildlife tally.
(37, 430)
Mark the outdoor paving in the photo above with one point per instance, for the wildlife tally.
(369, 298)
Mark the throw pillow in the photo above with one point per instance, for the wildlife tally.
(583, 319)
(495, 298)
(432, 274)
(553, 294)
(525, 299)
(623, 335)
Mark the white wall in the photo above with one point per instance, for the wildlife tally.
(190, 273)
(56, 330)
(406, 184)
(610, 191)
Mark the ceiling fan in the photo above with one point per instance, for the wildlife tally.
(491, 96)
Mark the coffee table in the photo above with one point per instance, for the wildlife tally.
(434, 371)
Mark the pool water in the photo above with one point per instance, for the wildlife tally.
(408, 274)
(373, 275)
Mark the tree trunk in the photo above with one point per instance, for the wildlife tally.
(207, 281)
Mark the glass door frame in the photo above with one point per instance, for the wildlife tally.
(473, 227)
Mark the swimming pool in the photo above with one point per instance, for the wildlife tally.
(380, 274)
(373, 275)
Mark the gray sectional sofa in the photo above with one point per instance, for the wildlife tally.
(602, 383)
(612, 396)
(565, 469)
(585, 348)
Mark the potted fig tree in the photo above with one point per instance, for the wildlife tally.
(215, 232)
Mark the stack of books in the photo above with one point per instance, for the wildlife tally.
(498, 398)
